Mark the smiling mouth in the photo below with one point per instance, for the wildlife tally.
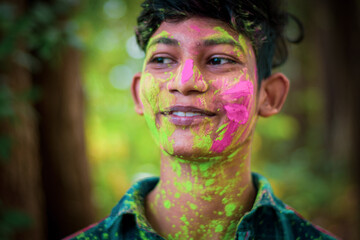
(186, 115)
(187, 111)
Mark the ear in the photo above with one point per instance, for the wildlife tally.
(272, 94)
(135, 91)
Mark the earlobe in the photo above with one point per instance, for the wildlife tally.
(272, 94)
(135, 91)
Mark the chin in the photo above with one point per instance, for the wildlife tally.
(190, 154)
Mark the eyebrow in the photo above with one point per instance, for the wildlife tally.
(163, 40)
(222, 40)
(206, 42)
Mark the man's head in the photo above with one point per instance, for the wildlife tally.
(200, 88)
(262, 22)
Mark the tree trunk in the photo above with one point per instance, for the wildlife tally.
(20, 172)
(20, 175)
(339, 44)
(65, 168)
(47, 174)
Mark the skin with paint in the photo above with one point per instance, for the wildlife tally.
(198, 93)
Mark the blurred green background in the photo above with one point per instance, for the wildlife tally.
(301, 151)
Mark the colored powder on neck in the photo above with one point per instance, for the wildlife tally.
(188, 186)
(229, 209)
(167, 204)
(219, 228)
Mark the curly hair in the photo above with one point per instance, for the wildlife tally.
(262, 21)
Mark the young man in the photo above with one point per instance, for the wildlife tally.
(205, 81)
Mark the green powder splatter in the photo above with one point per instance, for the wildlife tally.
(105, 236)
(221, 132)
(229, 208)
(176, 168)
(204, 166)
(142, 235)
(207, 198)
(184, 219)
(225, 200)
(164, 34)
(231, 229)
(193, 206)
(209, 182)
(167, 204)
(188, 186)
(221, 127)
(219, 228)
(177, 195)
(202, 142)
(223, 32)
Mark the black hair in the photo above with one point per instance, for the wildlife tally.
(262, 21)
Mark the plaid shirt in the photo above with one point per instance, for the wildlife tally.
(268, 219)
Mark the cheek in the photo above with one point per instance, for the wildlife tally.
(237, 113)
(149, 92)
(237, 102)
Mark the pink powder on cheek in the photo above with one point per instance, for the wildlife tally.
(237, 113)
(243, 88)
(187, 71)
(220, 145)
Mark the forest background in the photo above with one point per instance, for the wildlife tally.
(71, 143)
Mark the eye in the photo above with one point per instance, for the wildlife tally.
(220, 61)
(161, 60)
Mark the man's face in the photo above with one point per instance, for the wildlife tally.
(198, 88)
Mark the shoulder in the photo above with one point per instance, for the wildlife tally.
(93, 231)
(121, 223)
(304, 229)
(271, 217)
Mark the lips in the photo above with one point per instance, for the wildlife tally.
(186, 115)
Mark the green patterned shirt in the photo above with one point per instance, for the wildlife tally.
(269, 218)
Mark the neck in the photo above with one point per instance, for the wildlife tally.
(201, 200)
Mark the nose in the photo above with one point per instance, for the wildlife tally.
(188, 80)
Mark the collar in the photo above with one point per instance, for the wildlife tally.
(133, 203)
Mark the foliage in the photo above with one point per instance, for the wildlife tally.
(28, 39)
(37, 34)
(12, 220)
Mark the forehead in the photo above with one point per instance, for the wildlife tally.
(196, 29)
